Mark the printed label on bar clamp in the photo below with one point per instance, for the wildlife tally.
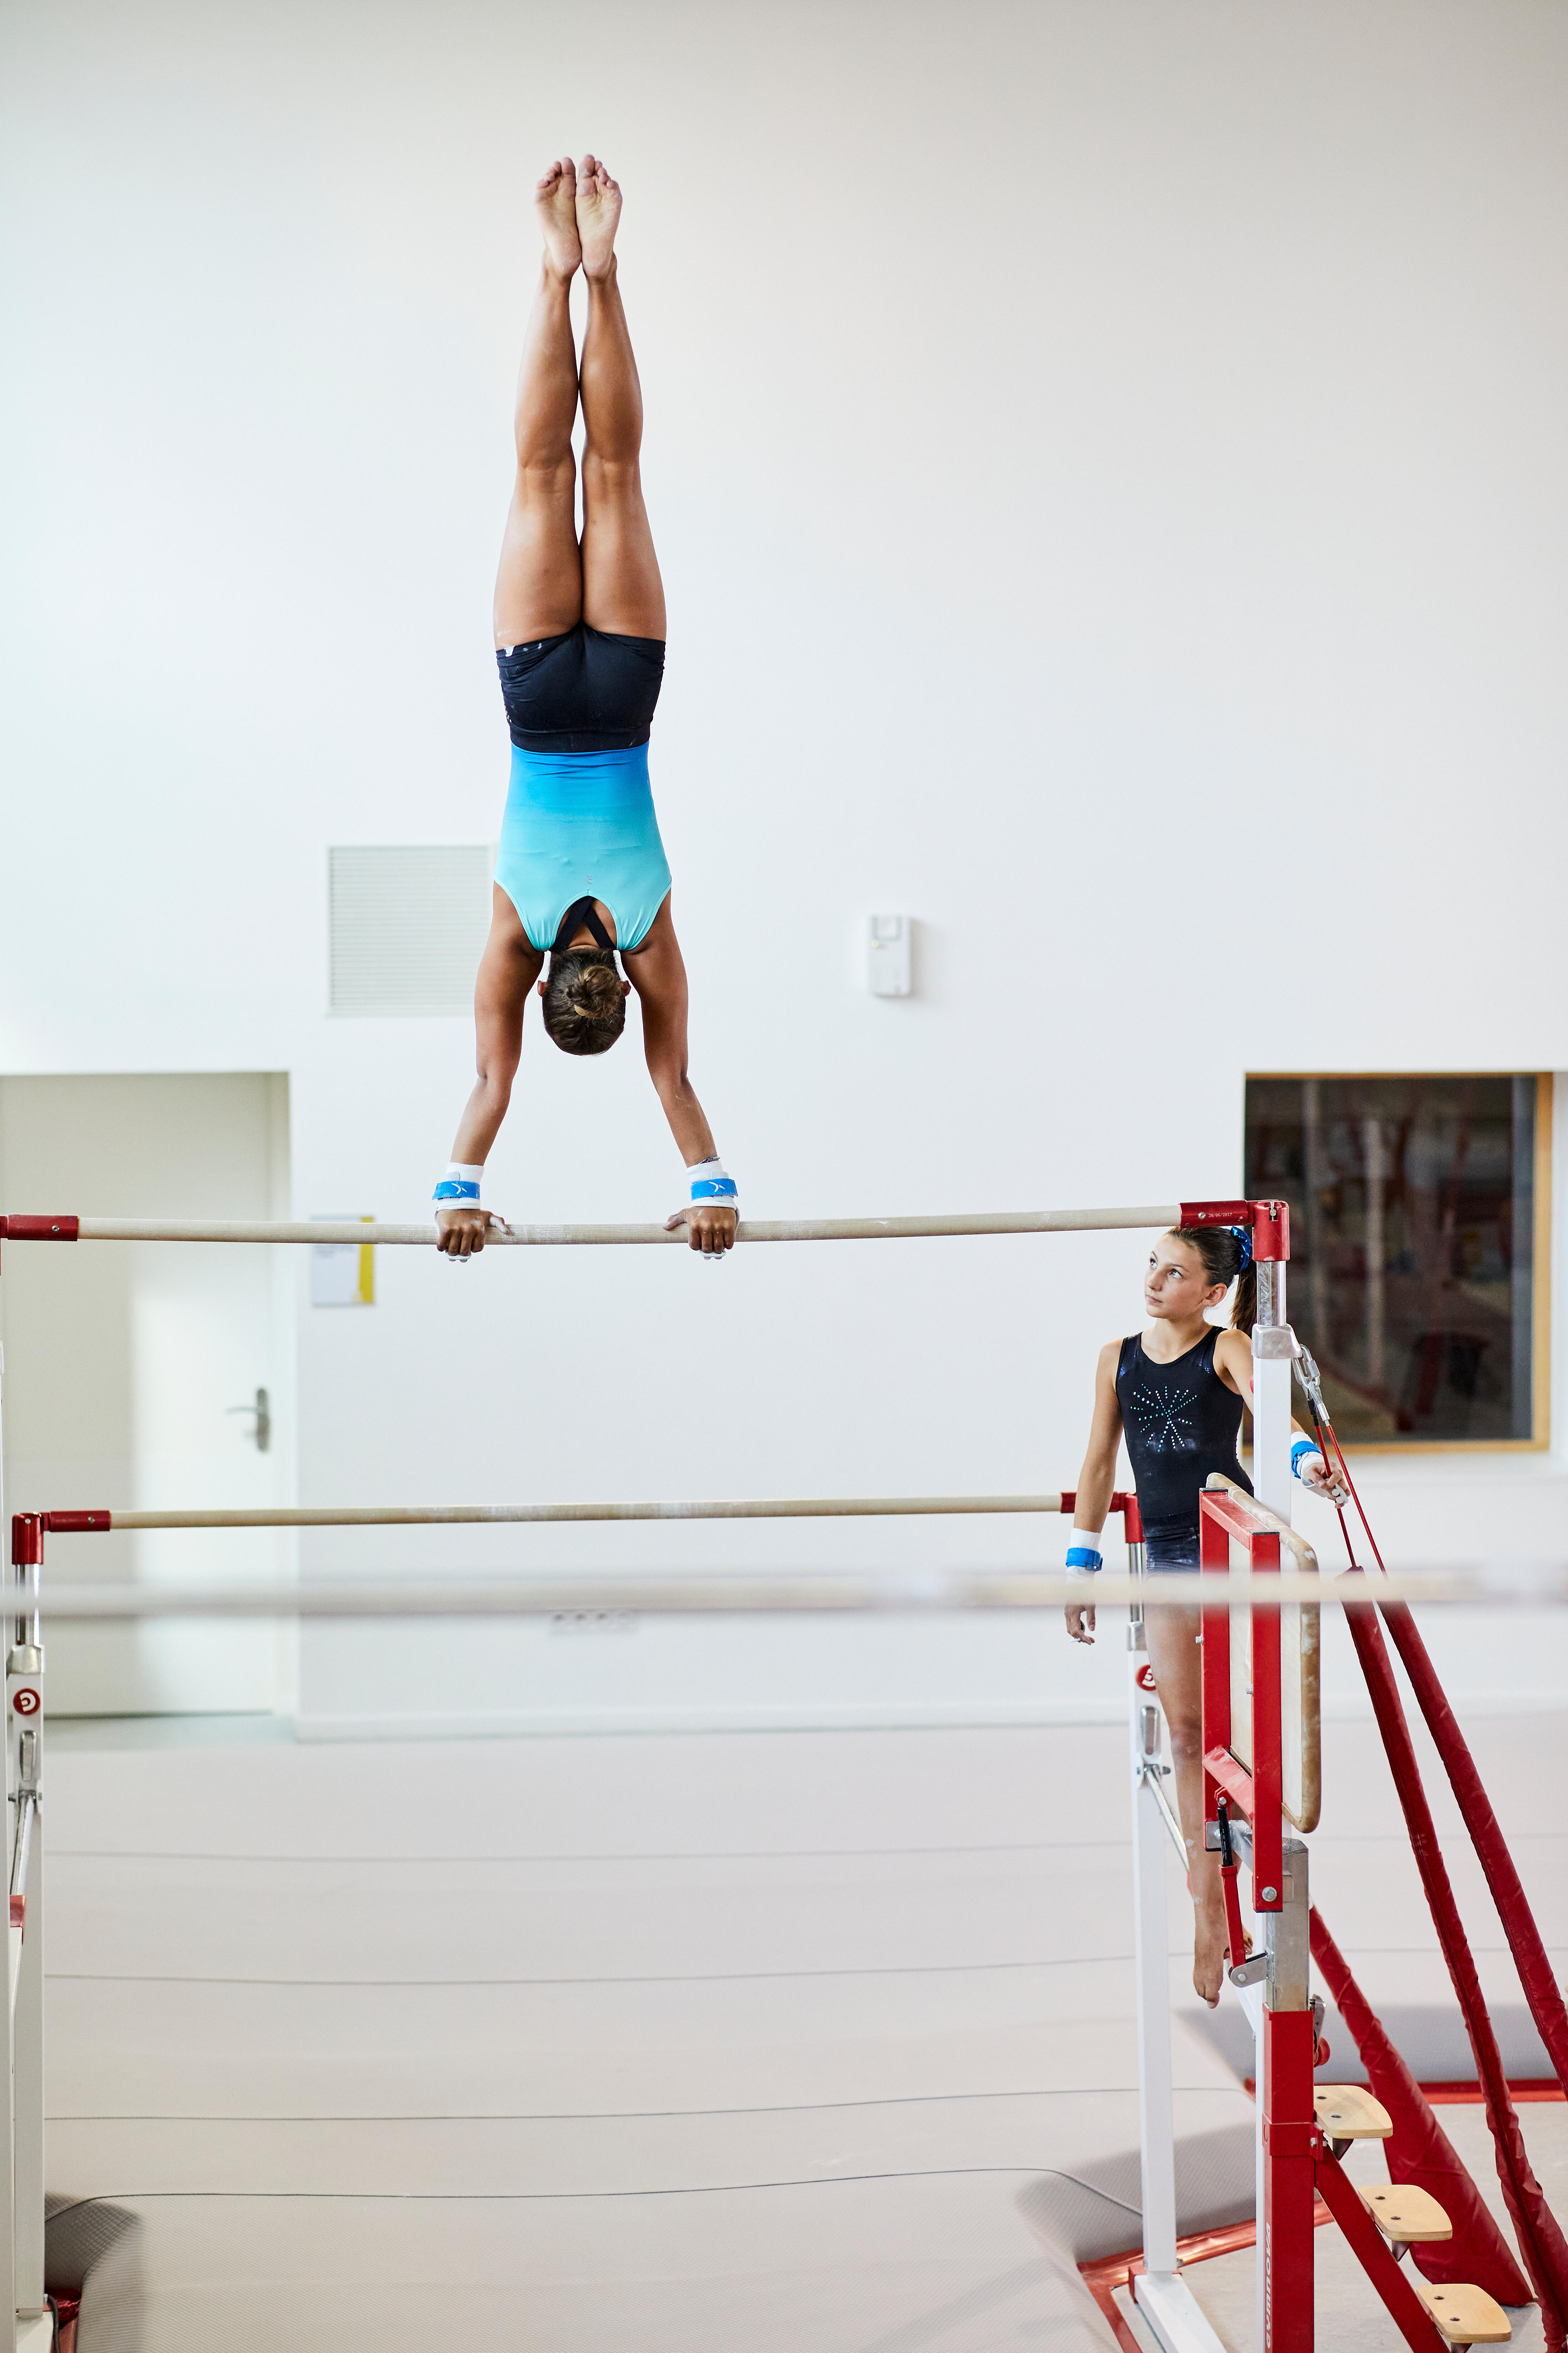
(27, 1701)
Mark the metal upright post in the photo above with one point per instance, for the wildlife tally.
(25, 1711)
(29, 2325)
(7, 2031)
(1273, 1351)
(1161, 2295)
(1156, 2114)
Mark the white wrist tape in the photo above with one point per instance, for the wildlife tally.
(459, 1188)
(1084, 1556)
(711, 1181)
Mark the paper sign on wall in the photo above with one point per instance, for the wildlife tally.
(342, 1274)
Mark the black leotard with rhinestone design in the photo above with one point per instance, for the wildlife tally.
(1180, 1421)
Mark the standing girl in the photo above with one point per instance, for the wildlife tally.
(1175, 1393)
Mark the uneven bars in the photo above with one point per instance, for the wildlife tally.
(787, 1507)
(836, 1596)
(16, 1227)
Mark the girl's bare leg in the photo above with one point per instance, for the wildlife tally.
(622, 591)
(539, 586)
(1177, 1661)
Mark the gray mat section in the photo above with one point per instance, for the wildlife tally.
(1098, 2209)
(1432, 2043)
(92, 2249)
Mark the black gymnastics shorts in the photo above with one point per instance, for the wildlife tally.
(585, 691)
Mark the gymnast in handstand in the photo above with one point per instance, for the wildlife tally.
(581, 874)
(1175, 1393)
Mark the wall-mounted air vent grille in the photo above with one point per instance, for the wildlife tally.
(407, 927)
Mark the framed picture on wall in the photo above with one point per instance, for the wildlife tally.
(1420, 1256)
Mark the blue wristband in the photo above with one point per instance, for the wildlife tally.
(711, 1181)
(1303, 1446)
(457, 1188)
(1077, 1558)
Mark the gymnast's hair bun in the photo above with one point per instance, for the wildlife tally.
(584, 1001)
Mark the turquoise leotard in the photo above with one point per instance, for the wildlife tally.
(581, 825)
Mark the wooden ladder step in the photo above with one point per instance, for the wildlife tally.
(1406, 2215)
(1349, 2112)
(1465, 2315)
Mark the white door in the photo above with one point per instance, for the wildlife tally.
(132, 1370)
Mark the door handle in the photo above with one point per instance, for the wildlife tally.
(262, 1409)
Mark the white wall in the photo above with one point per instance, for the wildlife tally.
(1108, 467)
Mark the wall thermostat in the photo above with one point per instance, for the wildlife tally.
(887, 956)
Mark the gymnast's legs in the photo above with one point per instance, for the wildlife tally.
(1177, 1660)
(547, 581)
(622, 591)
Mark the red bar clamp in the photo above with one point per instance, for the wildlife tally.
(1270, 1230)
(16, 1229)
(26, 1539)
(1218, 1213)
(77, 1523)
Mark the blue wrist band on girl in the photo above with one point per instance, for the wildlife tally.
(711, 1181)
(460, 1184)
(1302, 1448)
(1084, 1556)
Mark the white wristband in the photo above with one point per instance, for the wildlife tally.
(459, 1188)
(1084, 1540)
(712, 1186)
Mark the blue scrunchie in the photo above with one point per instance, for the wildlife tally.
(1244, 1240)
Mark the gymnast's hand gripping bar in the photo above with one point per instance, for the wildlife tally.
(1266, 1217)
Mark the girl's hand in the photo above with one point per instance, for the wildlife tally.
(461, 1231)
(1080, 1620)
(710, 1227)
(1324, 1481)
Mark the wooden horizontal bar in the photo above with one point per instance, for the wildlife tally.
(736, 1592)
(411, 1516)
(750, 1230)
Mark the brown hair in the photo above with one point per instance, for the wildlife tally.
(585, 1002)
(1226, 1255)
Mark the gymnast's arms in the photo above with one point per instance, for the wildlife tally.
(657, 973)
(1096, 1479)
(1233, 1362)
(508, 970)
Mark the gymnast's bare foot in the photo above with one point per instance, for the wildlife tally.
(1209, 1954)
(598, 211)
(556, 201)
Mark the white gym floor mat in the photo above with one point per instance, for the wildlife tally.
(621, 2045)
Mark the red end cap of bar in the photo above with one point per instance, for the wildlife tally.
(16, 1229)
(19, 1912)
(1218, 1213)
(26, 1539)
(77, 1523)
(1270, 1230)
